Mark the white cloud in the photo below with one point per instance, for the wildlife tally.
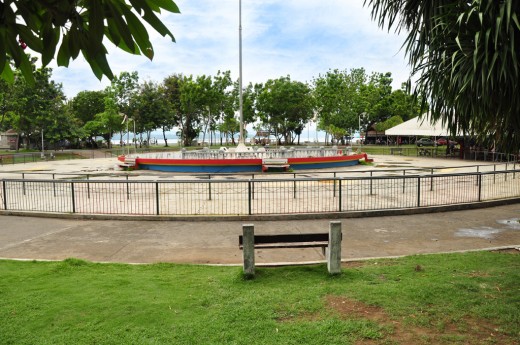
(300, 38)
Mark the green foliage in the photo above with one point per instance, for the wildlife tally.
(86, 104)
(84, 303)
(285, 106)
(465, 57)
(351, 100)
(229, 126)
(391, 122)
(31, 108)
(62, 29)
(122, 88)
(192, 105)
(149, 108)
(106, 122)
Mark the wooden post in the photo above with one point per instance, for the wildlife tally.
(334, 250)
(248, 245)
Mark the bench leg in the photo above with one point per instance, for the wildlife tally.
(249, 249)
(334, 250)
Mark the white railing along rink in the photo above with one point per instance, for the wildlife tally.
(251, 153)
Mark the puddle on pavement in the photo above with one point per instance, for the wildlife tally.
(488, 232)
(483, 232)
(513, 223)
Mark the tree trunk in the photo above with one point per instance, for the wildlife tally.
(164, 137)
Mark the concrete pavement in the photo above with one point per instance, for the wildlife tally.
(217, 242)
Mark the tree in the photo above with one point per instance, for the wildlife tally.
(389, 123)
(121, 90)
(149, 108)
(86, 104)
(220, 100)
(61, 29)
(230, 126)
(33, 108)
(464, 55)
(192, 106)
(285, 106)
(172, 91)
(341, 97)
(106, 122)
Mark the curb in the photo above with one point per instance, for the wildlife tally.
(271, 217)
(280, 264)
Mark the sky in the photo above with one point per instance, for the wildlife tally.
(299, 38)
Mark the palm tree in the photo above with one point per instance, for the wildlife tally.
(464, 56)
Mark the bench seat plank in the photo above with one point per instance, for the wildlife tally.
(290, 245)
(294, 239)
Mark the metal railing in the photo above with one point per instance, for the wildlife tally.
(364, 172)
(436, 152)
(243, 197)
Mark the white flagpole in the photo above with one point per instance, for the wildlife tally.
(241, 111)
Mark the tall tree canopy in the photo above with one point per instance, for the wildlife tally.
(465, 56)
(285, 106)
(61, 29)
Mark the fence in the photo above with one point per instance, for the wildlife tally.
(243, 197)
(284, 175)
(441, 152)
(437, 152)
(22, 158)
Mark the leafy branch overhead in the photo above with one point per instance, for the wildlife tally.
(62, 29)
(465, 56)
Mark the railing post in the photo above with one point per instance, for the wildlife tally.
(371, 182)
(5, 194)
(248, 249)
(340, 206)
(53, 185)
(494, 173)
(209, 186)
(127, 188)
(431, 181)
(23, 183)
(250, 187)
(479, 181)
(157, 206)
(404, 180)
(88, 186)
(73, 197)
(253, 188)
(294, 186)
(334, 249)
(419, 191)
(334, 187)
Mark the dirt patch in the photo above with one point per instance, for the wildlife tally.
(365, 263)
(507, 251)
(467, 331)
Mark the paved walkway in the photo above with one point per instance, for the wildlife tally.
(217, 242)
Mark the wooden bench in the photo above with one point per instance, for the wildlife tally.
(425, 152)
(330, 244)
(396, 150)
(313, 240)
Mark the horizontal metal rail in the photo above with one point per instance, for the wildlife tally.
(303, 174)
(243, 197)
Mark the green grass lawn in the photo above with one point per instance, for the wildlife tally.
(469, 298)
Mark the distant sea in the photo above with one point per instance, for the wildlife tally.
(311, 136)
(308, 136)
